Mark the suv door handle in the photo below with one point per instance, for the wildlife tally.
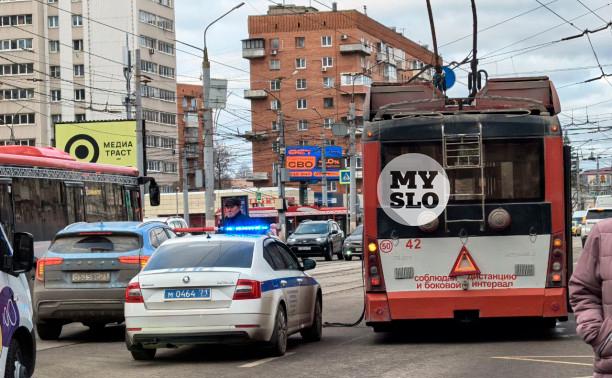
(283, 283)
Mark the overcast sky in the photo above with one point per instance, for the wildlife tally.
(516, 38)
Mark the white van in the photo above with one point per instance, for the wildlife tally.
(17, 340)
(593, 216)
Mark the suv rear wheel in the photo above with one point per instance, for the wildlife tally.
(49, 330)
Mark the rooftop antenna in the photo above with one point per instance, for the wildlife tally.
(365, 10)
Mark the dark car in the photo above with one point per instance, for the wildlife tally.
(353, 244)
(317, 238)
(83, 275)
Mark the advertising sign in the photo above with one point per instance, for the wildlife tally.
(106, 142)
(303, 163)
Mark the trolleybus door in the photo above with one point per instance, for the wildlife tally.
(75, 206)
(7, 213)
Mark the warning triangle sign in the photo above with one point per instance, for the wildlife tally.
(465, 265)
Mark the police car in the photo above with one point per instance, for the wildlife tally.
(221, 289)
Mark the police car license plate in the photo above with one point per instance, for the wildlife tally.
(91, 277)
(303, 248)
(193, 293)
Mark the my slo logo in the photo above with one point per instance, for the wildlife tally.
(413, 189)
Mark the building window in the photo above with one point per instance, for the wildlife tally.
(301, 103)
(148, 18)
(328, 82)
(165, 47)
(154, 165)
(165, 23)
(328, 102)
(77, 44)
(54, 72)
(79, 70)
(18, 142)
(79, 95)
(330, 142)
(300, 63)
(300, 42)
(16, 69)
(275, 64)
(390, 73)
(22, 19)
(327, 61)
(148, 42)
(54, 46)
(16, 94)
(166, 71)
(302, 125)
(170, 167)
(153, 141)
(17, 119)
(53, 21)
(77, 20)
(326, 41)
(15, 44)
(274, 104)
(56, 95)
(358, 162)
(56, 118)
(80, 117)
(328, 122)
(274, 126)
(303, 142)
(348, 79)
(147, 66)
(275, 85)
(300, 84)
(332, 186)
(274, 43)
(167, 118)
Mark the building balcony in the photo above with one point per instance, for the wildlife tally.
(254, 136)
(191, 154)
(255, 94)
(358, 48)
(191, 139)
(258, 176)
(253, 48)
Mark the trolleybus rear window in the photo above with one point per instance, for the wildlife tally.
(513, 169)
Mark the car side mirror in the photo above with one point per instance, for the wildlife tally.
(308, 264)
(23, 253)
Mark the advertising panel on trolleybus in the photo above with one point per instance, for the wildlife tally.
(467, 205)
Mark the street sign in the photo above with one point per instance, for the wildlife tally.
(345, 177)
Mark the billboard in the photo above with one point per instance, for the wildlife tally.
(106, 142)
(303, 163)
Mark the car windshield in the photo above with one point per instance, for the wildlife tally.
(205, 254)
(312, 228)
(599, 214)
(358, 231)
(95, 243)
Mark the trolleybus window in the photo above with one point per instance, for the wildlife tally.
(513, 169)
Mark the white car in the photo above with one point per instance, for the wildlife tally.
(221, 289)
(592, 217)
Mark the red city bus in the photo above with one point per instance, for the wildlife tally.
(501, 248)
(43, 189)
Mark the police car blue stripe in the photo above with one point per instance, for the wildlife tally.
(291, 282)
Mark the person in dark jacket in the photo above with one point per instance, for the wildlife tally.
(591, 296)
(232, 214)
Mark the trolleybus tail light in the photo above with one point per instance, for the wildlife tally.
(133, 293)
(374, 281)
(247, 289)
(43, 262)
(556, 262)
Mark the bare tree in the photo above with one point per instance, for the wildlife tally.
(223, 163)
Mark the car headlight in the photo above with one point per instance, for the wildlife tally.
(321, 240)
(290, 240)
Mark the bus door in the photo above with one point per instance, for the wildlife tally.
(7, 213)
(131, 201)
(75, 202)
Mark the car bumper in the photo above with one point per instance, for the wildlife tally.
(78, 304)
(162, 330)
(308, 249)
(352, 250)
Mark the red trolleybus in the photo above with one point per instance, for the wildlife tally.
(501, 247)
(44, 189)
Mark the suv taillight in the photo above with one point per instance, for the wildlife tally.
(373, 271)
(133, 293)
(556, 262)
(142, 260)
(42, 262)
(247, 289)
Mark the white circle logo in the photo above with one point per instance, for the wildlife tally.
(413, 189)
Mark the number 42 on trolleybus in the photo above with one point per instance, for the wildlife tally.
(467, 206)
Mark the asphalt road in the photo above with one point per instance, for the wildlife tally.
(439, 349)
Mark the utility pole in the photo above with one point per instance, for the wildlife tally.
(185, 188)
(280, 120)
(323, 171)
(353, 163)
(127, 73)
(139, 139)
(578, 189)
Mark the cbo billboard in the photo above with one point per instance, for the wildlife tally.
(106, 142)
(304, 163)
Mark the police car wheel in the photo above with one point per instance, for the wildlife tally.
(278, 341)
(315, 331)
(16, 365)
(141, 354)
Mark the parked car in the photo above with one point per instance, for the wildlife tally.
(317, 238)
(172, 222)
(83, 275)
(353, 244)
(593, 216)
(222, 289)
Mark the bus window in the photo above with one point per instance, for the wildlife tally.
(6, 207)
(75, 208)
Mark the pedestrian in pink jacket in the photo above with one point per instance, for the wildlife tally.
(591, 296)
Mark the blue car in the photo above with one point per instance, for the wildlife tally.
(83, 275)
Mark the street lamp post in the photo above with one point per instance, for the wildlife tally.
(209, 182)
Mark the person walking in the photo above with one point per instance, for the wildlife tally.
(591, 296)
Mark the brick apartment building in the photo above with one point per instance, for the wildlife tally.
(190, 134)
(305, 61)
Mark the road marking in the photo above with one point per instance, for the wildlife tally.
(537, 359)
(264, 360)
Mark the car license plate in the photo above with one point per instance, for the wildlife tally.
(91, 277)
(303, 248)
(357, 249)
(192, 293)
